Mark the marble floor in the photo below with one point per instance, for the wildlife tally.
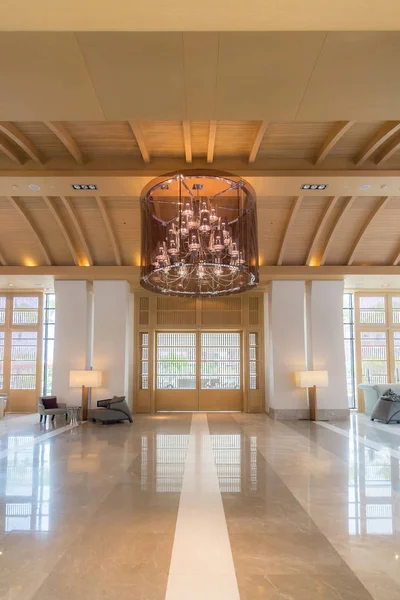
(199, 507)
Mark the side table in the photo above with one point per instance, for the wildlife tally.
(74, 413)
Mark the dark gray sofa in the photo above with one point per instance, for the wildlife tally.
(111, 410)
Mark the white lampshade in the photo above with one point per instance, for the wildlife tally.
(306, 379)
(86, 378)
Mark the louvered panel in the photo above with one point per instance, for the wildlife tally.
(144, 305)
(221, 311)
(254, 311)
(176, 311)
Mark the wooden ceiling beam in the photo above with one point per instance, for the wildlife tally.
(16, 136)
(380, 206)
(330, 206)
(32, 227)
(212, 134)
(68, 205)
(9, 150)
(3, 261)
(138, 133)
(63, 229)
(110, 231)
(293, 212)
(336, 133)
(382, 135)
(339, 220)
(257, 140)
(388, 151)
(187, 141)
(61, 131)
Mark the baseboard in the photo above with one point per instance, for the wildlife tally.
(299, 414)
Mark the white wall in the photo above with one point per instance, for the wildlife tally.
(72, 336)
(326, 344)
(285, 341)
(112, 338)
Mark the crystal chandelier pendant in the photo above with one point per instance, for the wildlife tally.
(196, 245)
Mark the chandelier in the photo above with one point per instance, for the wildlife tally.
(199, 235)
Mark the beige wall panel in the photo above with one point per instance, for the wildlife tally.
(235, 138)
(124, 215)
(293, 140)
(200, 65)
(381, 241)
(44, 77)
(103, 138)
(94, 230)
(304, 227)
(349, 228)
(136, 75)
(47, 229)
(264, 75)
(354, 140)
(17, 241)
(354, 78)
(163, 138)
(272, 217)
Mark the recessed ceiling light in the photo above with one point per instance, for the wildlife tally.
(38, 285)
(385, 285)
(365, 186)
(358, 285)
(314, 186)
(384, 187)
(11, 285)
(34, 186)
(14, 187)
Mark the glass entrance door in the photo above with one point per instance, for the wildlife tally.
(198, 371)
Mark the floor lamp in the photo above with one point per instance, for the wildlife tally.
(86, 380)
(312, 380)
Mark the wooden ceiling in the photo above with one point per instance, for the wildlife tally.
(106, 146)
(293, 231)
(224, 15)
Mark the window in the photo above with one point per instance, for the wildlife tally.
(253, 361)
(220, 361)
(176, 361)
(1, 359)
(349, 340)
(374, 365)
(23, 360)
(372, 310)
(144, 361)
(3, 301)
(25, 310)
(49, 317)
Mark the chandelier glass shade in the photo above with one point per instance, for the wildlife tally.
(199, 235)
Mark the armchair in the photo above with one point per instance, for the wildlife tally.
(111, 410)
(59, 409)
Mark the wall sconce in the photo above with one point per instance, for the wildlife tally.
(312, 380)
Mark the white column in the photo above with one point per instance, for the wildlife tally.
(72, 342)
(326, 346)
(113, 338)
(285, 344)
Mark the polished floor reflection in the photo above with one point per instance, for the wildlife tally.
(217, 506)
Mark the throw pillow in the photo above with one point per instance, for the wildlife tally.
(391, 395)
(50, 402)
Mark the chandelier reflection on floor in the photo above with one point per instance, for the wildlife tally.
(199, 235)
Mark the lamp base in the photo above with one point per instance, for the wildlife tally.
(312, 398)
(85, 402)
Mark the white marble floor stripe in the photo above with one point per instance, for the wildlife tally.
(201, 563)
(35, 440)
(362, 440)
